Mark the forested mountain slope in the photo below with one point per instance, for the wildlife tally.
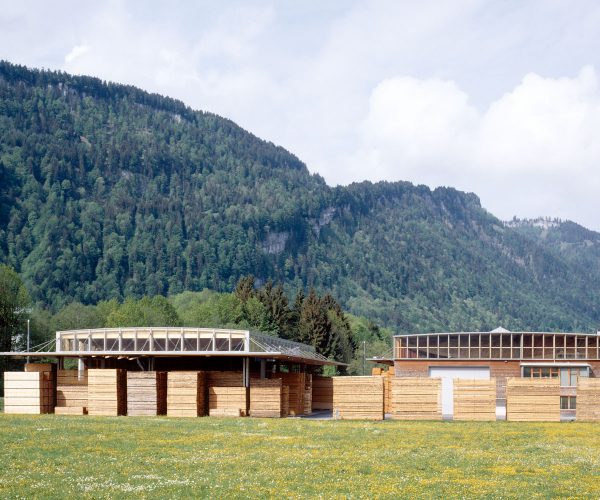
(107, 191)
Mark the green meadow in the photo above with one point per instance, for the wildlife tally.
(102, 457)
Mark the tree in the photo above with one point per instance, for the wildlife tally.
(155, 311)
(14, 304)
(76, 316)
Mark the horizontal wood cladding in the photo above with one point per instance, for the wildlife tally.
(588, 399)
(186, 394)
(28, 392)
(475, 399)
(416, 398)
(266, 398)
(227, 401)
(500, 370)
(322, 393)
(533, 400)
(300, 391)
(146, 393)
(71, 392)
(107, 392)
(358, 398)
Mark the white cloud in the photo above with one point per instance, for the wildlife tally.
(76, 52)
(534, 151)
(435, 92)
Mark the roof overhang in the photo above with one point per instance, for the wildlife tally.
(559, 364)
(173, 354)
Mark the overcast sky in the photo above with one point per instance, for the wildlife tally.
(499, 98)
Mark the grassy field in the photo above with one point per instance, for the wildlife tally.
(57, 457)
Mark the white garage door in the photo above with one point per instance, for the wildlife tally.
(448, 374)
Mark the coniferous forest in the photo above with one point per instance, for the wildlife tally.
(110, 196)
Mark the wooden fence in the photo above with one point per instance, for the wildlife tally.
(358, 398)
(416, 398)
(532, 399)
(146, 393)
(474, 399)
(588, 399)
(186, 394)
(71, 392)
(107, 392)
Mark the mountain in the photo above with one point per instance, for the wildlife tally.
(108, 191)
(573, 242)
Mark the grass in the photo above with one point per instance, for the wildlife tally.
(93, 457)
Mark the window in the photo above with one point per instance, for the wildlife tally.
(540, 372)
(568, 403)
(568, 376)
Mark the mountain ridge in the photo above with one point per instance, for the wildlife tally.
(102, 197)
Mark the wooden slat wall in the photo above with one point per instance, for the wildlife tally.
(49, 391)
(227, 401)
(224, 379)
(322, 393)
(297, 383)
(588, 399)
(307, 396)
(71, 393)
(358, 398)
(475, 399)
(27, 393)
(285, 401)
(416, 398)
(146, 393)
(265, 398)
(533, 399)
(107, 392)
(186, 394)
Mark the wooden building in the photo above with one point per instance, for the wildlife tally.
(499, 354)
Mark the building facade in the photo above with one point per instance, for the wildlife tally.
(500, 354)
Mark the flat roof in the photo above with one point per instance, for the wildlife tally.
(505, 332)
(137, 342)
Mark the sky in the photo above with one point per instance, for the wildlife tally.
(499, 98)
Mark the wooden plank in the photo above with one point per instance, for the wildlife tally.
(475, 399)
(322, 393)
(358, 398)
(107, 392)
(186, 393)
(588, 399)
(532, 399)
(146, 393)
(227, 399)
(416, 398)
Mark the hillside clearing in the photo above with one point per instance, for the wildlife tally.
(89, 457)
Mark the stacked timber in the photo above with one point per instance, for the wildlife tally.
(49, 376)
(224, 379)
(107, 392)
(475, 399)
(266, 398)
(307, 398)
(297, 383)
(322, 393)
(358, 398)
(588, 399)
(27, 393)
(533, 399)
(146, 393)
(285, 401)
(227, 401)
(416, 398)
(71, 392)
(186, 394)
